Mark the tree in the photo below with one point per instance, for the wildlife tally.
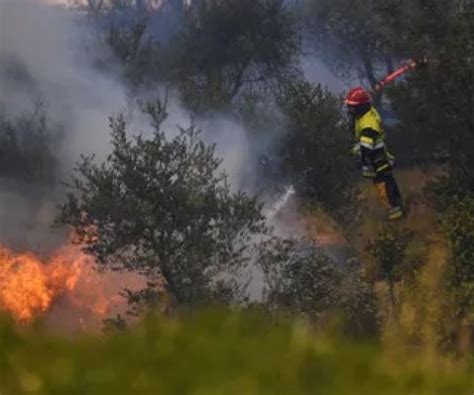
(136, 51)
(350, 33)
(160, 207)
(27, 149)
(227, 47)
(95, 6)
(443, 93)
(315, 152)
(458, 223)
(119, 5)
(411, 27)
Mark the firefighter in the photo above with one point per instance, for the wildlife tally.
(377, 163)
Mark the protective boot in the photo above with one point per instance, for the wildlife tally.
(390, 197)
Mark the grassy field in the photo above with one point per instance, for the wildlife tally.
(216, 353)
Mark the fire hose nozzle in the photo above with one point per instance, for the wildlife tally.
(405, 68)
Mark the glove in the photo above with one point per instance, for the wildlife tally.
(390, 158)
(355, 150)
(368, 172)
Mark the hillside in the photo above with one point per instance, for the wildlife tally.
(163, 158)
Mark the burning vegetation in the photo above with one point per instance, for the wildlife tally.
(65, 287)
(30, 285)
(167, 202)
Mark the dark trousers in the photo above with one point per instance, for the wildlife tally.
(388, 190)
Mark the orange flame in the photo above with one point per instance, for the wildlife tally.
(28, 286)
(66, 286)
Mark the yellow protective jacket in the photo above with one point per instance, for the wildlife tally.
(369, 130)
(370, 136)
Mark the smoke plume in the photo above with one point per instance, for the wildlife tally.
(47, 61)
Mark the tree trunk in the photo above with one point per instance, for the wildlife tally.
(369, 70)
(370, 74)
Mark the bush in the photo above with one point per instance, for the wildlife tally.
(458, 222)
(388, 251)
(316, 152)
(26, 148)
(215, 353)
(303, 280)
(163, 208)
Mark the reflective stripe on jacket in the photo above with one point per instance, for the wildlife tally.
(372, 121)
(371, 138)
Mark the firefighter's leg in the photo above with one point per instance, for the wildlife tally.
(390, 197)
(382, 191)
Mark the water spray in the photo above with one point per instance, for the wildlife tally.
(281, 203)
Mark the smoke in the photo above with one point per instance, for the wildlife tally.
(42, 68)
(48, 44)
(46, 54)
(236, 150)
(317, 72)
(43, 57)
(44, 41)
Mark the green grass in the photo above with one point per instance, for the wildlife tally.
(217, 353)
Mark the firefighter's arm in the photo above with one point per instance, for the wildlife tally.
(374, 153)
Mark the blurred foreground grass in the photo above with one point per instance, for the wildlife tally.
(217, 353)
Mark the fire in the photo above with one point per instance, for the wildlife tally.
(28, 285)
(65, 287)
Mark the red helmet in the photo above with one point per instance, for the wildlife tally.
(358, 96)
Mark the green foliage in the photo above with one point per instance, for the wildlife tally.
(301, 279)
(26, 149)
(120, 5)
(420, 26)
(304, 280)
(416, 129)
(358, 305)
(376, 34)
(349, 34)
(388, 249)
(227, 47)
(141, 57)
(214, 353)
(442, 92)
(315, 151)
(458, 223)
(160, 207)
(443, 124)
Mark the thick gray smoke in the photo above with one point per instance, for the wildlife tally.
(316, 71)
(47, 43)
(43, 59)
(44, 42)
(40, 62)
